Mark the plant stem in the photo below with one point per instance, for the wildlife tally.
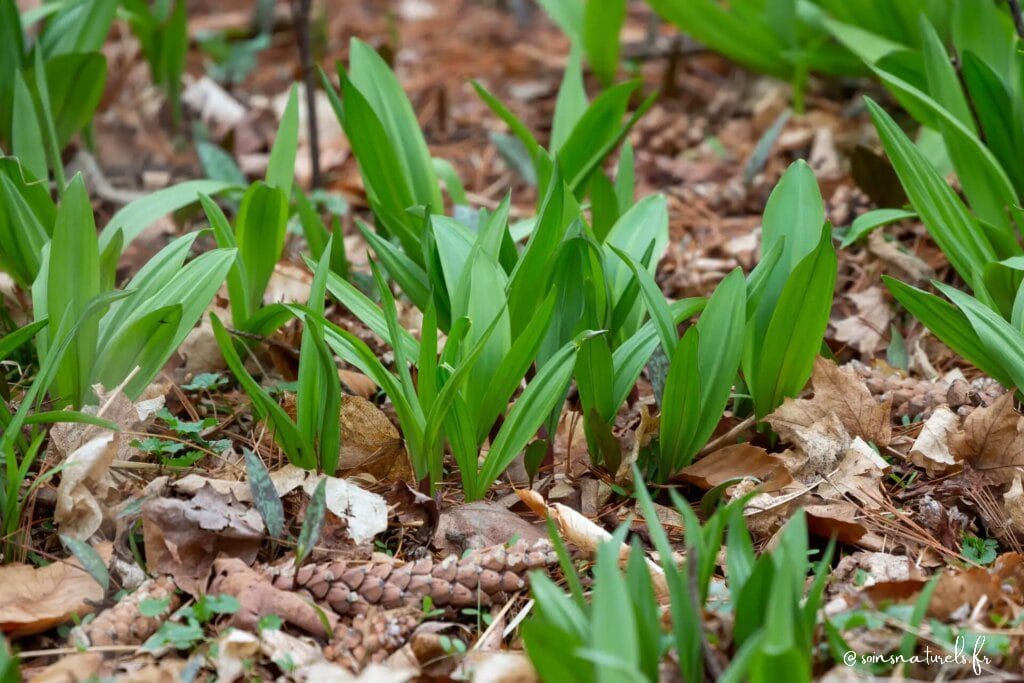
(300, 12)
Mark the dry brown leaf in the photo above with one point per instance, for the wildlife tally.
(35, 599)
(959, 591)
(1013, 504)
(889, 253)
(87, 489)
(70, 669)
(931, 449)
(865, 329)
(499, 667)
(838, 518)
(481, 524)
(738, 460)
(184, 537)
(838, 391)
(370, 443)
(991, 440)
(358, 383)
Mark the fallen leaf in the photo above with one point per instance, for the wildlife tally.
(87, 490)
(364, 513)
(35, 599)
(736, 461)
(838, 391)
(233, 648)
(837, 518)
(184, 537)
(499, 667)
(991, 440)
(917, 271)
(864, 329)
(370, 443)
(1013, 504)
(81, 666)
(481, 524)
(931, 449)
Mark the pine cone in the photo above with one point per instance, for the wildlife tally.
(123, 623)
(912, 397)
(482, 577)
(372, 637)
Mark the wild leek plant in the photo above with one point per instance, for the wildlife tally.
(987, 329)
(311, 440)
(618, 635)
(21, 437)
(450, 398)
(790, 293)
(49, 92)
(162, 302)
(259, 232)
(162, 30)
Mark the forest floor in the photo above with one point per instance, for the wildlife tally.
(715, 143)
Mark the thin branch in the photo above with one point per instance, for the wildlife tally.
(300, 12)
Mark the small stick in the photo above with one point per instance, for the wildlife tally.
(300, 13)
(1018, 18)
(724, 439)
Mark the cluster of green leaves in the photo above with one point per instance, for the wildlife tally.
(153, 314)
(618, 634)
(973, 118)
(313, 438)
(50, 89)
(587, 264)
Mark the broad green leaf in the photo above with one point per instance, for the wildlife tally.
(682, 405)
(1002, 342)
(407, 272)
(27, 141)
(78, 26)
(369, 313)
(26, 219)
(75, 85)
(602, 22)
(612, 618)
(793, 336)
(571, 102)
(657, 305)
(146, 343)
(951, 326)
(530, 410)
(133, 218)
(378, 84)
(640, 231)
(945, 216)
(281, 165)
(259, 231)
(73, 280)
(865, 223)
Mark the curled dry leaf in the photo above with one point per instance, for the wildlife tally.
(838, 392)
(931, 449)
(481, 524)
(364, 513)
(738, 461)
(499, 667)
(370, 443)
(234, 647)
(959, 591)
(184, 537)
(865, 328)
(81, 666)
(992, 441)
(35, 599)
(87, 489)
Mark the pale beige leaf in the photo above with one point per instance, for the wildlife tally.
(931, 449)
(35, 599)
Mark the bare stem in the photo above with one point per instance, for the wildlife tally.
(300, 12)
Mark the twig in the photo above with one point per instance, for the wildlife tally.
(300, 12)
(730, 435)
(52, 652)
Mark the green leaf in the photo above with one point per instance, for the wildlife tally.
(281, 165)
(612, 617)
(27, 216)
(287, 435)
(540, 397)
(90, 560)
(571, 102)
(145, 343)
(136, 216)
(950, 325)
(264, 494)
(682, 405)
(1001, 341)
(74, 83)
(602, 22)
(27, 142)
(73, 280)
(865, 223)
(945, 216)
(793, 336)
(259, 231)
(78, 26)
(313, 524)
(657, 306)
